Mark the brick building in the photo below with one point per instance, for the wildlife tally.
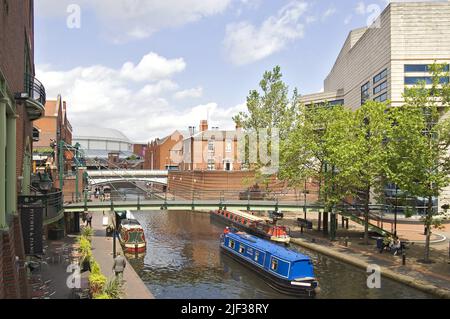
(22, 99)
(165, 153)
(51, 129)
(211, 149)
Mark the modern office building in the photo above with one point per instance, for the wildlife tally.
(379, 61)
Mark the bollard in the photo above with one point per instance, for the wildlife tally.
(301, 229)
(403, 259)
(346, 223)
(346, 241)
(320, 221)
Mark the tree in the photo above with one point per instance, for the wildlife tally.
(357, 146)
(270, 110)
(419, 158)
(307, 152)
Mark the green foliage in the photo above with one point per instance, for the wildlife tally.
(87, 232)
(95, 267)
(102, 296)
(114, 289)
(97, 283)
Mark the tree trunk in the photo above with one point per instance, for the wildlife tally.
(428, 221)
(366, 216)
(325, 221)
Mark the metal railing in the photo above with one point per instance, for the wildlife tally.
(34, 88)
(52, 203)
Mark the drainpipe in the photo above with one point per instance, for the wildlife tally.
(2, 165)
(61, 165)
(11, 199)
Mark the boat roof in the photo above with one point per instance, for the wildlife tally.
(247, 215)
(273, 249)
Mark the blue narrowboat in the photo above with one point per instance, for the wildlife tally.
(285, 270)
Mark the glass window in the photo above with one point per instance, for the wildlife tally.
(228, 146)
(231, 244)
(274, 264)
(211, 165)
(420, 68)
(380, 76)
(381, 98)
(241, 250)
(380, 87)
(256, 255)
(365, 92)
(413, 80)
(211, 146)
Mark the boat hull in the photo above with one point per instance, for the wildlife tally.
(134, 249)
(280, 285)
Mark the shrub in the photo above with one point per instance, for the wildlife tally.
(102, 296)
(95, 267)
(114, 288)
(87, 232)
(97, 283)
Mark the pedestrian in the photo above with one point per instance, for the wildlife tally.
(396, 246)
(89, 220)
(119, 266)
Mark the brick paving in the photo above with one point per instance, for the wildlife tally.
(102, 250)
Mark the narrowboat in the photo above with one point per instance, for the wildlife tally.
(285, 270)
(254, 225)
(131, 233)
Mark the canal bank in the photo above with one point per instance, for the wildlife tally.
(184, 260)
(403, 274)
(102, 250)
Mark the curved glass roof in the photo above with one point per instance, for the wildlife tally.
(98, 133)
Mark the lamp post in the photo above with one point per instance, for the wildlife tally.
(395, 211)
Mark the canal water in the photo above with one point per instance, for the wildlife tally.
(183, 261)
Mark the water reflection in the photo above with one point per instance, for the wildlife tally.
(183, 260)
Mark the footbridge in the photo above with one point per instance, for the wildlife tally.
(99, 177)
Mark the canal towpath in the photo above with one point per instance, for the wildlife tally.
(102, 250)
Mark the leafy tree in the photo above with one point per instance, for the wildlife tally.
(357, 146)
(269, 109)
(307, 152)
(419, 158)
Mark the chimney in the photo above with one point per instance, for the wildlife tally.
(203, 126)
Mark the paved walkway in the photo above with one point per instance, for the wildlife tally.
(102, 248)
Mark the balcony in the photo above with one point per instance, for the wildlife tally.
(34, 97)
(51, 205)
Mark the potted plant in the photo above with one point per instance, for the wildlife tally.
(97, 283)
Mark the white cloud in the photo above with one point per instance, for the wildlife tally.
(128, 19)
(151, 67)
(246, 43)
(105, 97)
(328, 13)
(189, 93)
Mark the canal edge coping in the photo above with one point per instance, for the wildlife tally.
(405, 279)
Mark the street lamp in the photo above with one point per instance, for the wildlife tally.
(395, 212)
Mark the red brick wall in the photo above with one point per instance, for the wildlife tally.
(10, 275)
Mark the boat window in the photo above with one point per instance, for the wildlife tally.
(241, 249)
(274, 265)
(256, 255)
(231, 244)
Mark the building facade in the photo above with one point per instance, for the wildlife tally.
(165, 153)
(211, 150)
(378, 62)
(49, 131)
(22, 100)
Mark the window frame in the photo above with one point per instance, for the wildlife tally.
(380, 76)
(380, 87)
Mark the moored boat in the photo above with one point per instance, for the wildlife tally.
(131, 233)
(285, 270)
(255, 225)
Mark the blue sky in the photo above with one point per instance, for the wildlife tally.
(148, 67)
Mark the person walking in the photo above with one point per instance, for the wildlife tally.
(89, 220)
(119, 266)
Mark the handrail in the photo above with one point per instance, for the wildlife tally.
(34, 88)
(52, 203)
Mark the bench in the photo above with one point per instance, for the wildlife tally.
(304, 223)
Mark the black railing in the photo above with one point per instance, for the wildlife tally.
(52, 203)
(35, 89)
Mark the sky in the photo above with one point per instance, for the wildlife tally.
(149, 67)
